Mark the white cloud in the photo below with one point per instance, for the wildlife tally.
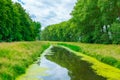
(48, 11)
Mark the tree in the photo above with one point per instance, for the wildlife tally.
(115, 32)
(91, 22)
(15, 23)
(86, 14)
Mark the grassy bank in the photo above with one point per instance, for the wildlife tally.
(16, 57)
(105, 70)
(108, 54)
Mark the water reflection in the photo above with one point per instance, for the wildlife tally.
(54, 71)
(45, 69)
(78, 69)
(59, 64)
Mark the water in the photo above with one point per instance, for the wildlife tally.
(59, 64)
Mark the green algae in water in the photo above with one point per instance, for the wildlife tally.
(46, 70)
(58, 63)
(72, 66)
(78, 69)
(33, 73)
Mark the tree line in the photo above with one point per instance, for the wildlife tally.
(16, 24)
(95, 21)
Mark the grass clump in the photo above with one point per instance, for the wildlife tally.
(19, 69)
(17, 56)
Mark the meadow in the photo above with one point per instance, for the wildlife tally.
(15, 57)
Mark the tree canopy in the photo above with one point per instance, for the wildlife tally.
(95, 21)
(15, 23)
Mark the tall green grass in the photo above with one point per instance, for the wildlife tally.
(73, 47)
(103, 58)
(16, 57)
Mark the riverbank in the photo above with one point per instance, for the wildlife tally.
(108, 54)
(77, 64)
(17, 56)
(102, 69)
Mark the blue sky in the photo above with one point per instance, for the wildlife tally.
(48, 11)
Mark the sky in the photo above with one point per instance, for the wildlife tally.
(48, 12)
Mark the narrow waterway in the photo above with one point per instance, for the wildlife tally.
(57, 63)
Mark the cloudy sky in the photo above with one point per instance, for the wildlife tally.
(48, 11)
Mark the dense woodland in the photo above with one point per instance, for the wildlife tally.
(16, 24)
(95, 21)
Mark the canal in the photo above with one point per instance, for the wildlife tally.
(57, 63)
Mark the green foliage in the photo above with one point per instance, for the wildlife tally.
(15, 23)
(91, 22)
(57, 32)
(115, 32)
